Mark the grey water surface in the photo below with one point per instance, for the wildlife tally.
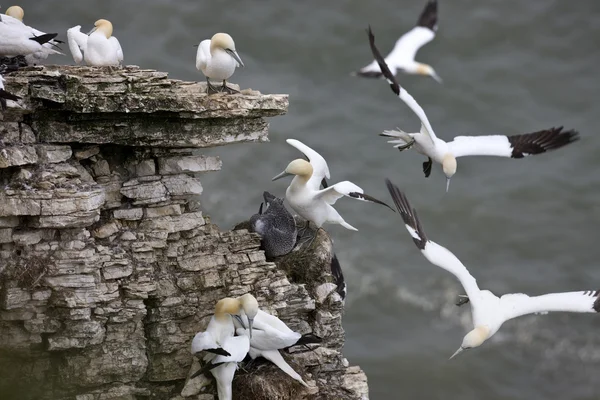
(526, 225)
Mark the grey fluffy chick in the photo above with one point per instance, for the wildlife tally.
(276, 227)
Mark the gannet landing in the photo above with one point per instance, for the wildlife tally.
(489, 312)
(217, 59)
(270, 335)
(402, 57)
(276, 227)
(4, 95)
(14, 16)
(305, 197)
(100, 48)
(445, 153)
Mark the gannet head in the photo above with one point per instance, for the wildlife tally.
(250, 307)
(449, 167)
(475, 338)
(227, 305)
(225, 42)
(297, 167)
(427, 70)
(104, 26)
(15, 12)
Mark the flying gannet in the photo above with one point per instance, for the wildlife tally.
(100, 48)
(217, 59)
(305, 196)
(445, 153)
(402, 57)
(489, 311)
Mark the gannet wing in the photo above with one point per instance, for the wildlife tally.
(276, 358)
(346, 188)
(432, 251)
(269, 338)
(515, 146)
(77, 43)
(407, 46)
(426, 128)
(203, 55)
(320, 167)
(204, 341)
(117, 47)
(517, 304)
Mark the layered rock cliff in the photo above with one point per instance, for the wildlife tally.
(108, 266)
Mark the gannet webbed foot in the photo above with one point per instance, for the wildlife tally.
(210, 89)
(427, 167)
(227, 89)
(462, 300)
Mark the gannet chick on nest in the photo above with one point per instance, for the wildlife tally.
(276, 227)
(305, 196)
(98, 49)
(217, 59)
(488, 311)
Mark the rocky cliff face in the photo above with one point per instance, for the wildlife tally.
(108, 266)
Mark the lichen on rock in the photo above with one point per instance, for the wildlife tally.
(108, 267)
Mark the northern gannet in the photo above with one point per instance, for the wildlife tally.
(445, 153)
(270, 334)
(217, 59)
(489, 312)
(19, 40)
(276, 227)
(14, 16)
(100, 48)
(305, 196)
(402, 57)
(4, 95)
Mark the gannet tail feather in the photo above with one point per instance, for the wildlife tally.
(276, 358)
(44, 38)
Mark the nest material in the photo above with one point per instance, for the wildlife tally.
(263, 380)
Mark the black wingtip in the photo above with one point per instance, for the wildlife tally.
(369, 74)
(44, 38)
(308, 338)
(541, 141)
(382, 65)
(428, 17)
(409, 214)
(597, 302)
(338, 276)
(363, 196)
(206, 368)
(219, 351)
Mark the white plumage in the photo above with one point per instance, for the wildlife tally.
(402, 57)
(489, 311)
(304, 195)
(217, 59)
(445, 153)
(100, 48)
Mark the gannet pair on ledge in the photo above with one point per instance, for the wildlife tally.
(259, 335)
(217, 59)
(305, 196)
(18, 39)
(445, 153)
(489, 311)
(98, 48)
(402, 57)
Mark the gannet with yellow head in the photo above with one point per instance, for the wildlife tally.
(488, 311)
(98, 48)
(445, 153)
(217, 59)
(305, 196)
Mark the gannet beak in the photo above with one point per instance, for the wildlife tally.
(460, 349)
(447, 184)
(92, 31)
(237, 58)
(281, 175)
(436, 77)
(250, 320)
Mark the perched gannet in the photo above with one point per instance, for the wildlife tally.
(276, 227)
(20, 40)
(4, 95)
(445, 153)
(14, 16)
(217, 59)
(402, 57)
(306, 197)
(489, 312)
(100, 48)
(270, 334)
